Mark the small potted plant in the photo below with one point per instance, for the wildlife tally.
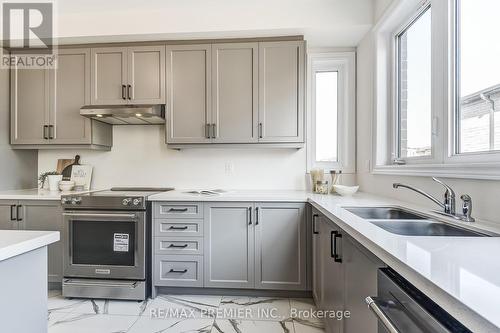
(42, 179)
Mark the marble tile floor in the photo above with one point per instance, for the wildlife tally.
(179, 314)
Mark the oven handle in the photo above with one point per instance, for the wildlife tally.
(381, 316)
(127, 216)
(102, 284)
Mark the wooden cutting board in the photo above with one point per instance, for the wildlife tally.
(62, 163)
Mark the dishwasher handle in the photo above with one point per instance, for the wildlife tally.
(381, 316)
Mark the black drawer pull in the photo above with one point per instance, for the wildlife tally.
(336, 257)
(178, 210)
(178, 271)
(177, 228)
(19, 211)
(13, 213)
(315, 216)
(178, 246)
(124, 87)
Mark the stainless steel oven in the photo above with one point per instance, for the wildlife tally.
(106, 234)
(108, 244)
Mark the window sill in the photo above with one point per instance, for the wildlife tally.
(485, 171)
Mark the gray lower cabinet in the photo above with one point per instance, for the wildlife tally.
(344, 274)
(280, 246)
(229, 245)
(37, 215)
(178, 271)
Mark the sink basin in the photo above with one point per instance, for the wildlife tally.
(424, 228)
(384, 213)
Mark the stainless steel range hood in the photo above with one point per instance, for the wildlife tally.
(125, 114)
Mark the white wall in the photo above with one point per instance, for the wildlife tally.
(140, 157)
(485, 194)
(323, 22)
(17, 168)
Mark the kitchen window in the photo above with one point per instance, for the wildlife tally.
(437, 90)
(331, 113)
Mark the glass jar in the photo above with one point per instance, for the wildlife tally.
(322, 187)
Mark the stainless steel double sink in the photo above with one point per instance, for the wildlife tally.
(400, 221)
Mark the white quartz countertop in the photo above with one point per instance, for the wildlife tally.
(461, 274)
(16, 242)
(33, 194)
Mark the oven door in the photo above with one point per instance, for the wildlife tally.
(104, 244)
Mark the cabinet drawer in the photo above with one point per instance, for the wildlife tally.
(174, 227)
(178, 271)
(178, 245)
(178, 210)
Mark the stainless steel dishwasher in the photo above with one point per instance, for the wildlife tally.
(402, 308)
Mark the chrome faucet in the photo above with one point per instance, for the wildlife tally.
(449, 201)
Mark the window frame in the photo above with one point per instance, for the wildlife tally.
(320, 60)
(445, 162)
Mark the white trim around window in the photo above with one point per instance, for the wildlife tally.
(444, 161)
(344, 64)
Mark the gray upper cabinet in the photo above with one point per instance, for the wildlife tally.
(72, 91)
(45, 105)
(128, 75)
(234, 92)
(30, 105)
(189, 106)
(229, 245)
(109, 76)
(146, 75)
(280, 246)
(281, 91)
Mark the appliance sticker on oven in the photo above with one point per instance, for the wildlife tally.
(120, 243)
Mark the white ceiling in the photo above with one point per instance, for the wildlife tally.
(334, 23)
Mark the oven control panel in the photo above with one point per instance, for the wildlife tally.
(71, 201)
(132, 202)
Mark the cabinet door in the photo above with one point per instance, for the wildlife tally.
(235, 92)
(332, 274)
(72, 91)
(8, 215)
(360, 281)
(188, 93)
(281, 91)
(146, 75)
(280, 246)
(317, 260)
(46, 215)
(109, 76)
(30, 104)
(229, 245)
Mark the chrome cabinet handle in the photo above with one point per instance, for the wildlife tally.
(13, 213)
(214, 131)
(51, 131)
(46, 132)
(207, 131)
(315, 216)
(124, 87)
(129, 94)
(178, 271)
(381, 316)
(177, 228)
(178, 246)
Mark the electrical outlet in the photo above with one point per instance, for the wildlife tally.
(229, 168)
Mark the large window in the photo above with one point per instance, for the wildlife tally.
(437, 89)
(414, 87)
(478, 76)
(330, 111)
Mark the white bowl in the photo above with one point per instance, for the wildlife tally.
(345, 191)
(66, 185)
